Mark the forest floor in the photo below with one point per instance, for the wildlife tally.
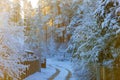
(55, 70)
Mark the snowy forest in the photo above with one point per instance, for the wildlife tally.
(59, 39)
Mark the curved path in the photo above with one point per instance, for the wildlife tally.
(55, 70)
(69, 75)
(61, 73)
(55, 74)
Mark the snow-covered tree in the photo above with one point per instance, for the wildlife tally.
(15, 11)
(27, 13)
(5, 5)
(11, 49)
(84, 31)
(55, 15)
(107, 15)
(95, 41)
(32, 39)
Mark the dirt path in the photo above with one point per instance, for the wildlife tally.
(55, 74)
(55, 70)
(69, 75)
(59, 71)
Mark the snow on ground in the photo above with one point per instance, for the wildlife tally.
(56, 70)
(62, 66)
(43, 75)
(61, 76)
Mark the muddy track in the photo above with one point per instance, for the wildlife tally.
(55, 74)
(69, 75)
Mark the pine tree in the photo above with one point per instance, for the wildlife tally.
(5, 6)
(108, 21)
(82, 45)
(27, 10)
(11, 51)
(16, 11)
(32, 29)
(95, 41)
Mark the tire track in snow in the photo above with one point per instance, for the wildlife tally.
(55, 74)
(69, 74)
(64, 74)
